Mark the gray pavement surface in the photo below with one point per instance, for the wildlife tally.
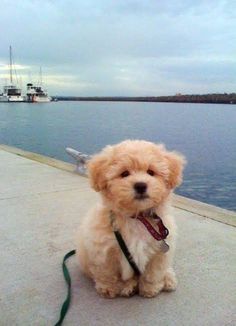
(40, 208)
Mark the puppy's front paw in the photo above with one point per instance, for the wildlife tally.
(129, 289)
(170, 281)
(150, 290)
(106, 292)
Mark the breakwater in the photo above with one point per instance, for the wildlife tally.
(179, 98)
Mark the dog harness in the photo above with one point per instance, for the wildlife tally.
(159, 236)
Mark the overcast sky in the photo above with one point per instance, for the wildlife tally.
(121, 47)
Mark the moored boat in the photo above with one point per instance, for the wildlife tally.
(36, 94)
(11, 93)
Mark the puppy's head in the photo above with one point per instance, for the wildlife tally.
(135, 175)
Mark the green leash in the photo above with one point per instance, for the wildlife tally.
(66, 303)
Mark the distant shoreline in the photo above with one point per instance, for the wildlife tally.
(179, 98)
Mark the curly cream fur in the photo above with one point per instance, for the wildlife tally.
(99, 254)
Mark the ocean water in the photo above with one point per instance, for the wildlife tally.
(204, 133)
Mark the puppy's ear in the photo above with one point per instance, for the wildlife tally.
(176, 163)
(97, 168)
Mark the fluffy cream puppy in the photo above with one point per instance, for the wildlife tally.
(132, 177)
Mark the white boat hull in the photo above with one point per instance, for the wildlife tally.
(15, 98)
(43, 99)
(6, 98)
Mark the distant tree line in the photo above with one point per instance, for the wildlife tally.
(196, 98)
(178, 98)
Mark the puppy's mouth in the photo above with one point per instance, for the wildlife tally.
(141, 196)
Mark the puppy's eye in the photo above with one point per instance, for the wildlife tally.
(151, 172)
(125, 174)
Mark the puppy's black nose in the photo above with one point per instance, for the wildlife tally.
(140, 187)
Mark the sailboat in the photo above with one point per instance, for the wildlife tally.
(11, 93)
(37, 93)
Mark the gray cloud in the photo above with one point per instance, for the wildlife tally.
(123, 47)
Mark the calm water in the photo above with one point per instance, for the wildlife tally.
(204, 133)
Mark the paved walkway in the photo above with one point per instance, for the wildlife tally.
(40, 208)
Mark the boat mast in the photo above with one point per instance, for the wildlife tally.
(40, 76)
(10, 65)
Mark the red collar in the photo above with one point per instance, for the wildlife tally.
(163, 231)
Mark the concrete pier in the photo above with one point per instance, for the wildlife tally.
(41, 203)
